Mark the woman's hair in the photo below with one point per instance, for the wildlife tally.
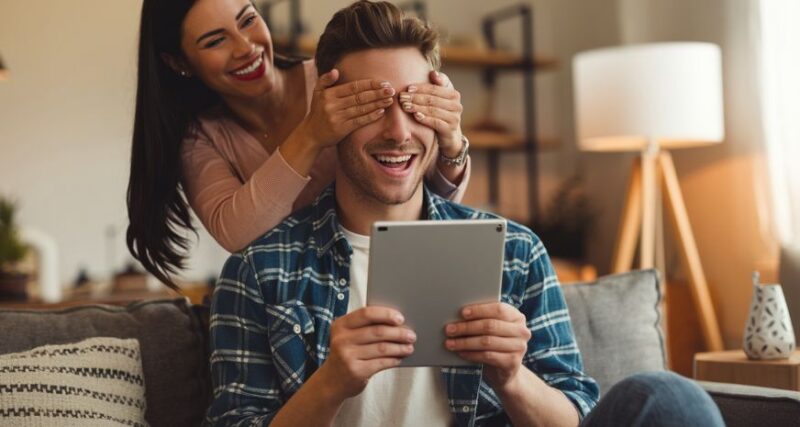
(167, 105)
(374, 25)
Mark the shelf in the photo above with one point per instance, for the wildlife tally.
(457, 56)
(488, 140)
(471, 57)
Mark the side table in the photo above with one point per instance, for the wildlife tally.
(734, 367)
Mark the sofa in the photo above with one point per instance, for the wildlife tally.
(615, 319)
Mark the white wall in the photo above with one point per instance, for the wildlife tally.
(66, 113)
(724, 186)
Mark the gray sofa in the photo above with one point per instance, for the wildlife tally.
(615, 320)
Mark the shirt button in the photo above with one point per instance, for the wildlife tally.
(340, 296)
(342, 281)
(297, 329)
(465, 408)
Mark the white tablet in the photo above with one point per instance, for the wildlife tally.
(429, 270)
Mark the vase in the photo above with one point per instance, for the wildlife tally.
(768, 333)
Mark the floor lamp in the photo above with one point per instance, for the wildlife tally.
(650, 99)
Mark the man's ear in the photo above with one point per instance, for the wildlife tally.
(179, 66)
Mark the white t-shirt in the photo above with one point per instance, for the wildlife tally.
(398, 396)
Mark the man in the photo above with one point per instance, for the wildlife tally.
(292, 341)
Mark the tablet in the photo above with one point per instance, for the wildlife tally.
(430, 270)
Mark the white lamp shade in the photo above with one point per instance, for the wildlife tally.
(668, 93)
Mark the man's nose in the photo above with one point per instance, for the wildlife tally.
(397, 124)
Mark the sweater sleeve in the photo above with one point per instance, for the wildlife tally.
(237, 213)
(443, 187)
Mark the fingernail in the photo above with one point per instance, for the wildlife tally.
(388, 101)
(411, 89)
(419, 115)
(409, 348)
(451, 329)
(407, 106)
(405, 97)
(380, 113)
(450, 344)
(388, 91)
(467, 312)
(411, 336)
(386, 84)
(397, 318)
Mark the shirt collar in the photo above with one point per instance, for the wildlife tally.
(328, 233)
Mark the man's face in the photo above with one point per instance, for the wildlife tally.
(387, 159)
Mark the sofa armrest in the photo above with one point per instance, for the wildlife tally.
(743, 405)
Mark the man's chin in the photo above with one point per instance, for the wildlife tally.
(390, 197)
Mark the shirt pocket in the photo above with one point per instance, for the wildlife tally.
(290, 329)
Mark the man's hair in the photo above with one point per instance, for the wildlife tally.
(374, 25)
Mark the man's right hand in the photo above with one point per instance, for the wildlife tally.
(363, 343)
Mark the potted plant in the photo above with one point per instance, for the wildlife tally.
(566, 222)
(13, 283)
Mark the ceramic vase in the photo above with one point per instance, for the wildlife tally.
(769, 333)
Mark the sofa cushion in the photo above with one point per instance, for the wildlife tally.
(98, 380)
(170, 335)
(616, 322)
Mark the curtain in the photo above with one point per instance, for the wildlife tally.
(780, 83)
(779, 67)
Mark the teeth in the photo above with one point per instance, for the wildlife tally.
(251, 68)
(390, 159)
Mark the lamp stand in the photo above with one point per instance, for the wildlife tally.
(639, 219)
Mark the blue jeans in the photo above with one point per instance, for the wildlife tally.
(655, 399)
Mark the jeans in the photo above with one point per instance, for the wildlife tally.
(655, 399)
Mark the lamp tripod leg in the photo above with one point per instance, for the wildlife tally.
(690, 255)
(631, 222)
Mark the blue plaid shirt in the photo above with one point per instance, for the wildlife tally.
(273, 306)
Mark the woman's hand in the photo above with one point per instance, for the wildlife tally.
(336, 111)
(438, 106)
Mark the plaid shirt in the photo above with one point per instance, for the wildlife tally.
(273, 306)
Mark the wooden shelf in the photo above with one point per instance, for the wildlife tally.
(490, 140)
(458, 56)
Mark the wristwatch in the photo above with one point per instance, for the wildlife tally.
(460, 158)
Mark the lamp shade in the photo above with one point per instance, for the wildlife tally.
(668, 93)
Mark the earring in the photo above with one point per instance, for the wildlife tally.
(183, 73)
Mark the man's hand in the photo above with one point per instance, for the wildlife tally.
(363, 343)
(438, 106)
(494, 334)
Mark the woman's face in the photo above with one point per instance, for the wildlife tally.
(228, 46)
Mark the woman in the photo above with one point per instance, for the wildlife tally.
(246, 136)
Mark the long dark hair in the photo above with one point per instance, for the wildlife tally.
(166, 106)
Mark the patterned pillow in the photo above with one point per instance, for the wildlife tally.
(97, 381)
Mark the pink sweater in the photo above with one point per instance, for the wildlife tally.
(240, 191)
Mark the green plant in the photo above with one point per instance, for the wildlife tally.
(12, 250)
(567, 220)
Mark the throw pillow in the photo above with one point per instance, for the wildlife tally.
(97, 381)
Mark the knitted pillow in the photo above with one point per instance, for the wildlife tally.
(97, 381)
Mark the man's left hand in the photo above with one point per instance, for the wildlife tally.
(437, 105)
(494, 334)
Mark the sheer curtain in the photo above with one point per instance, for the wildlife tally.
(780, 103)
(780, 80)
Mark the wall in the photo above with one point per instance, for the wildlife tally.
(724, 186)
(66, 117)
(66, 113)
